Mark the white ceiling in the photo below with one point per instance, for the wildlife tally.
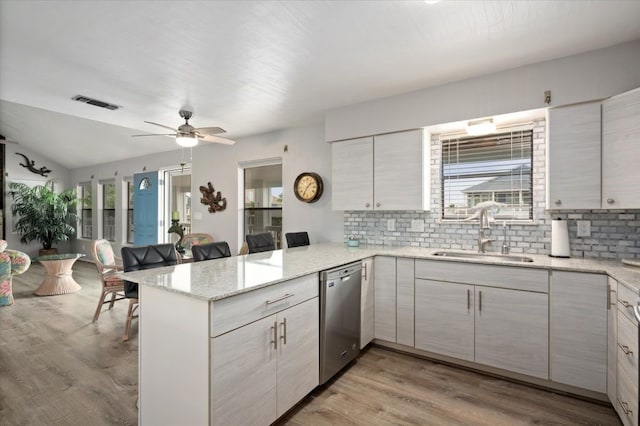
(256, 66)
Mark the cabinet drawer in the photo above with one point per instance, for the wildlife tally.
(236, 311)
(627, 298)
(627, 398)
(516, 278)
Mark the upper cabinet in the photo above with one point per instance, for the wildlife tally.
(621, 151)
(573, 161)
(386, 172)
(593, 154)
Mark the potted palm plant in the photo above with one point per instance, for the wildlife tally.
(43, 214)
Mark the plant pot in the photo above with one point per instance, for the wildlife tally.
(46, 252)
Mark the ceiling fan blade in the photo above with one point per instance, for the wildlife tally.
(210, 130)
(154, 134)
(216, 139)
(162, 125)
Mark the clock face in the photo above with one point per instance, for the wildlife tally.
(308, 187)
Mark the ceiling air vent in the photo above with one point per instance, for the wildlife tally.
(95, 102)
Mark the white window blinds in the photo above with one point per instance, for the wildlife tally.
(494, 167)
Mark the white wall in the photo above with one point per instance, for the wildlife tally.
(15, 172)
(307, 151)
(593, 75)
(218, 164)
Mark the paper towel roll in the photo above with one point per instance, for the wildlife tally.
(559, 238)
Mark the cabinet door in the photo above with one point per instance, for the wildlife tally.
(612, 341)
(512, 330)
(445, 318)
(405, 301)
(579, 330)
(399, 164)
(244, 374)
(574, 157)
(352, 174)
(621, 151)
(367, 302)
(385, 298)
(298, 353)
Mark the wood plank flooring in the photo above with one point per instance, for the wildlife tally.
(57, 368)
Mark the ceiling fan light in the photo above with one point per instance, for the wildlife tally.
(481, 127)
(187, 140)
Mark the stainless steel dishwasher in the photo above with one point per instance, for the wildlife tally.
(339, 318)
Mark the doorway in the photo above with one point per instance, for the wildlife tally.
(263, 201)
(177, 205)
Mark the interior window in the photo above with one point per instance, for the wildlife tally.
(263, 201)
(109, 211)
(494, 167)
(86, 201)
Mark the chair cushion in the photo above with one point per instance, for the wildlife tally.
(146, 257)
(112, 280)
(210, 251)
(297, 239)
(104, 253)
(260, 242)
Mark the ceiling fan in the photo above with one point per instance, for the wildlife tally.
(188, 136)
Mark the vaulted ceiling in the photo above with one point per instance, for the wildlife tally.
(256, 66)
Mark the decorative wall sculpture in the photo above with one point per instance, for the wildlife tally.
(31, 165)
(215, 201)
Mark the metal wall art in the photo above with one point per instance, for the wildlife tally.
(215, 201)
(31, 165)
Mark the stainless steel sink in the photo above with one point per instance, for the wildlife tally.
(483, 256)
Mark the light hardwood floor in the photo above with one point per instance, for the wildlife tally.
(57, 368)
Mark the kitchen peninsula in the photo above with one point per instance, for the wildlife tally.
(213, 351)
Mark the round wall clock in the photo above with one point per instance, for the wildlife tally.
(308, 187)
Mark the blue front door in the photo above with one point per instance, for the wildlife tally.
(145, 209)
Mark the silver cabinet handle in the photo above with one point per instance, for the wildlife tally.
(625, 349)
(367, 205)
(480, 301)
(610, 298)
(364, 267)
(378, 204)
(558, 202)
(274, 327)
(284, 331)
(279, 299)
(468, 299)
(624, 406)
(610, 201)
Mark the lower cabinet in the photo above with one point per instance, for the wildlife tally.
(578, 329)
(367, 303)
(262, 369)
(445, 318)
(626, 402)
(385, 298)
(512, 330)
(612, 340)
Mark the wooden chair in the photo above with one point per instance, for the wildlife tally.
(191, 240)
(108, 265)
(210, 251)
(297, 239)
(260, 242)
(139, 258)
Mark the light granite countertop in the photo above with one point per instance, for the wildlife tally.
(220, 278)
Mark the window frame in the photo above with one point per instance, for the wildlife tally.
(524, 192)
(83, 209)
(106, 210)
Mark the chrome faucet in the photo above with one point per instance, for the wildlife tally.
(484, 224)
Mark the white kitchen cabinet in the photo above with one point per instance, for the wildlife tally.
(512, 330)
(298, 354)
(384, 172)
(385, 298)
(621, 151)
(578, 330)
(244, 374)
(612, 340)
(445, 318)
(405, 301)
(262, 369)
(367, 303)
(573, 160)
(352, 174)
